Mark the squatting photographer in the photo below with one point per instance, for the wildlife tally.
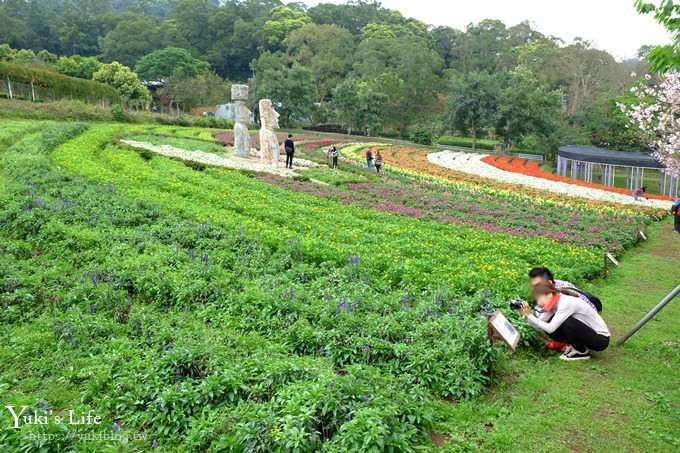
(566, 317)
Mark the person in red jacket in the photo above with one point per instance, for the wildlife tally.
(639, 193)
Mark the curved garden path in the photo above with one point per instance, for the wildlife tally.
(226, 161)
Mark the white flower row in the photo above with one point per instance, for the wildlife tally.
(472, 163)
(230, 161)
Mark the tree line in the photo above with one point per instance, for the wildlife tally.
(357, 65)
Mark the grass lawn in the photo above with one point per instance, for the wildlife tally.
(625, 399)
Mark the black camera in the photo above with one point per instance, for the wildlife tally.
(516, 304)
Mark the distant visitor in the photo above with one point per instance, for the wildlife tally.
(639, 193)
(289, 147)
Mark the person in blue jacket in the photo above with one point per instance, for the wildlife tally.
(676, 214)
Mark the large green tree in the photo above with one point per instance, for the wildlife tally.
(472, 103)
(525, 108)
(198, 90)
(123, 80)
(283, 21)
(133, 37)
(291, 90)
(163, 63)
(78, 66)
(326, 50)
(358, 105)
(406, 70)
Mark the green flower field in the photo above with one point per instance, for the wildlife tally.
(196, 308)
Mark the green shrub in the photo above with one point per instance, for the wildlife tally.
(118, 114)
(422, 136)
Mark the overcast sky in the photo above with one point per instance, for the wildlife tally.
(612, 25)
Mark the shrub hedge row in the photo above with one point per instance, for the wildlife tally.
(466, 142)
(59, 86)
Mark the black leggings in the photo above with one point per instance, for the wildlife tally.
(677, 223)
(377, 167)
(579, 336)
(289, 159)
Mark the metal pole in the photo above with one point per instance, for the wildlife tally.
(649, 315)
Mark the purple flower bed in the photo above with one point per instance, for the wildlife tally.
(496, 214)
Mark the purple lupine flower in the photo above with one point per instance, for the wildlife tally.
(460, 315)
(354, 305)
(116, 427)
(343, 305)
(105, 277)
(154, 444)
(368, 348)
(438, 299)
(204, 258)
(354, 260)
(326, 296)
(26, 208)
(91, 308)
(404, 302)
(450, 311)
(41, 404)
(177, 374)
(365, 398)
(95, 277)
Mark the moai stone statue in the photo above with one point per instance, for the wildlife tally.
(269, 144)
(242, 115)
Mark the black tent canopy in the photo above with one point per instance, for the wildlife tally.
(607, 156)
(580, 161)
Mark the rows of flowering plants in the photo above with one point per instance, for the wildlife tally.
(192, 322)
(413, 161)
(324, 232)
(521, 217)
(532, 168)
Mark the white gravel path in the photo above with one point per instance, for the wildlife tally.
(228, 161)
(472, 163)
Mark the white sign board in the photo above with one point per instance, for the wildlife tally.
(611, 258)
(504, 329)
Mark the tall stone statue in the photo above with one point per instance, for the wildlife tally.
(242, 116)
(269, 144)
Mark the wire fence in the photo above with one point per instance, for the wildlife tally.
(13, 89)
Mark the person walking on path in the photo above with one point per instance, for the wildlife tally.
(333, 152)
(676, 214)
(289, 147)
(378, 161)
(639, 193)
(369, 158)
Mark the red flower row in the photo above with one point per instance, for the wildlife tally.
(532, 168)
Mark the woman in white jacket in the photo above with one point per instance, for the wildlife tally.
(568, 318)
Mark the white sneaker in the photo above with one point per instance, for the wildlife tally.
(573, 354)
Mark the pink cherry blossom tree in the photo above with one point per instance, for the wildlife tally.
(657, 115)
